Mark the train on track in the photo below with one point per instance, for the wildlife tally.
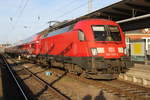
(93, 48)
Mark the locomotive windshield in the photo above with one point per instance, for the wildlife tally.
(106, 33)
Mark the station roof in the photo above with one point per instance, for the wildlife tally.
(125, 9)
(122, 10)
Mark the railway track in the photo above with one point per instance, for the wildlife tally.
(53, 91)
(21, 94)
(39, 88)
(122, 89)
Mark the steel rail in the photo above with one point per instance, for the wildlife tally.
(10, 70)
(106, 86)
(54, 90)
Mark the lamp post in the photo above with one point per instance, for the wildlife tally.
(89, 6)
(146, 49)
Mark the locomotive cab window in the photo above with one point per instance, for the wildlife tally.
(100, 33)
(115, 33)
(106, 33)
(81, 35)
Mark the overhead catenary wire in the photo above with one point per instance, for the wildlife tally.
(69, 3)
(19, 7)
(20, 13)
(17, 17)
(66, 5)
(64, 14)
(12, 18)
(73, 10)
(22, 10)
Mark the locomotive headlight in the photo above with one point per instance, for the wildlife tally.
(100, 50)
(125, 51)
(37, 41)
(120, 50)
(94, 51)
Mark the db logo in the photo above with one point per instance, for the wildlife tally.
(111, 49)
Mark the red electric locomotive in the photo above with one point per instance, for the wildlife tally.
(94, 48)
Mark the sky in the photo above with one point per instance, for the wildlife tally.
(19, 19)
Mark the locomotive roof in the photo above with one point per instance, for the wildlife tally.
(75, 21)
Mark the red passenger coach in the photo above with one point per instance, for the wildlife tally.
(92, 47)
(26, 48)
(30, 45)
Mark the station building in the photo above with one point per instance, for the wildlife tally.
(3, 46)
(138, 44)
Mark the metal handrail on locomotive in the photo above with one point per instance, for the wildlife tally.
(93, 48)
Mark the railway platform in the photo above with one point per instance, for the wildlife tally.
(1, 84)
(139, 74)
(10, 89)
(1, 87)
